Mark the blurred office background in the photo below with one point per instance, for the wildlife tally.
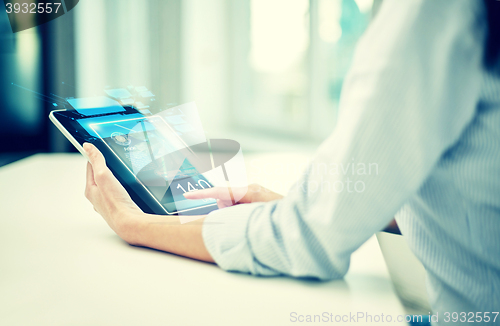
(267, 73)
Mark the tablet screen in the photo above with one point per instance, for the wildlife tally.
(153, 157)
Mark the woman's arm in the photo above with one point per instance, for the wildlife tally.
(412, 90)
(166, 233)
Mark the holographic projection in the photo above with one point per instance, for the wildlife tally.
(169, 155)
(163, 146)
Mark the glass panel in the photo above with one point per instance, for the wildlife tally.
(276, 60)
(341, 24)
(337, 26)
(290, 58)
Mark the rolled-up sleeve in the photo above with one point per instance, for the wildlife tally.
(412, 89)
(234, 252)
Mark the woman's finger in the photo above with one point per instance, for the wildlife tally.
(95, 156)
(90, 175)
(104, 179)
(98, 162)
(90, 185)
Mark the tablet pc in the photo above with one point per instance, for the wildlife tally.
(139, 157)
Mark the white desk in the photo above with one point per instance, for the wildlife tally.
(60, 264)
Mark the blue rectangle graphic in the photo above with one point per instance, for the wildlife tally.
(95, 105)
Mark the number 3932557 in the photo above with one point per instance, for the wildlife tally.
(33, 8)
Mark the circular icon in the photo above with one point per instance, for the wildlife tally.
(121, 138)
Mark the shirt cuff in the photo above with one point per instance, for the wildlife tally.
(225, 236)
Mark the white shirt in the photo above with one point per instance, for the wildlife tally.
(420, 105)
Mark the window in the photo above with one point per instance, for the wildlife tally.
(270, 67)
(289, 59)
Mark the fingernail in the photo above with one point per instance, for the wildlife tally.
(87, 148)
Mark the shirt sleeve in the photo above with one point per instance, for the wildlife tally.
(411, 91)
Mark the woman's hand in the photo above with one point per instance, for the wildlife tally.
(108, 196)
(160, 232)
(255, 193)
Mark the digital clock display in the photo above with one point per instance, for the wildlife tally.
(190, 186)
(181, 186)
